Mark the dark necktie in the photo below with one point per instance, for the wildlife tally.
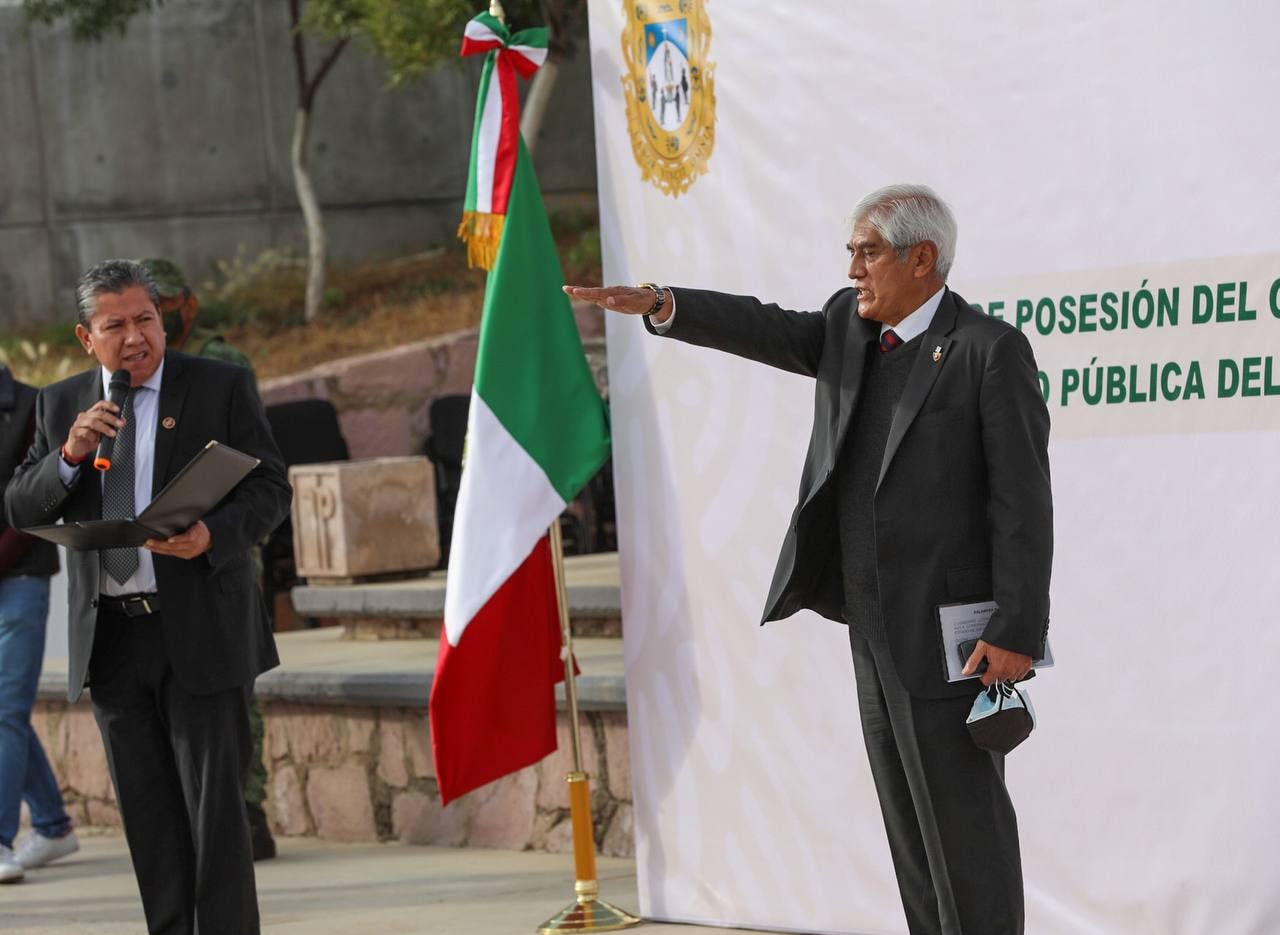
(117, 495)
(889, 341)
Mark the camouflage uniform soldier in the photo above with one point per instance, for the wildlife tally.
(179, 306)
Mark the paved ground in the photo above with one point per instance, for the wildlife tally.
(319, 888)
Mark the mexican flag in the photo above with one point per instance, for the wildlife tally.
(536, 434)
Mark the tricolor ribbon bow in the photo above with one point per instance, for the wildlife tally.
(495, 143)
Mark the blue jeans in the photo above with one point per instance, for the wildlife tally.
(24, 769)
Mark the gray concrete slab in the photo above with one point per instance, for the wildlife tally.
(591, 582)
(320, 667)
(321, 888)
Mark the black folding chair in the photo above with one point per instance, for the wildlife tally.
(444, 447)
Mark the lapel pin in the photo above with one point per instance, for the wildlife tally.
(169, 421)
(937, 353)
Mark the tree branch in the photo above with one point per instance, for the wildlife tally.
(299, 53)
(323, 70)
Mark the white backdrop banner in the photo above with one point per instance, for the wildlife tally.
(1113, 170)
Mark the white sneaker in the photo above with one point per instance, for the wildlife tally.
(10, 870)
(35, 850)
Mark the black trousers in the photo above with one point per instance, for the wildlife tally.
(178, 762)
(952, 829)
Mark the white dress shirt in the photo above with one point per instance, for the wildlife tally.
(916, 323)
(146, 406)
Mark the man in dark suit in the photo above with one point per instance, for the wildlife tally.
(169, 637)
(926, 482)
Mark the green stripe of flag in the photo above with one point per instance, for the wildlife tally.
(530, 367)
(469, 203)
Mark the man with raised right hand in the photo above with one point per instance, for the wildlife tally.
(926, 482)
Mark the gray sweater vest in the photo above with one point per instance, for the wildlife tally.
(858, 470)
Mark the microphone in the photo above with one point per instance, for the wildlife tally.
(117, 389)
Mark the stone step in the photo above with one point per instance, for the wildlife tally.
(414, 607)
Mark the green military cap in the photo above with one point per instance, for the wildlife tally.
(169, 279)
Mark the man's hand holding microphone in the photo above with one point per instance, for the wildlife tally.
(94, 431)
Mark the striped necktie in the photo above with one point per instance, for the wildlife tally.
(117, 494)
(889, 341)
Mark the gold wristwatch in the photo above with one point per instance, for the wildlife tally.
(659, 296)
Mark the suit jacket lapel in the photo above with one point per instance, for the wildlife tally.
(924, 371)
(173, 393)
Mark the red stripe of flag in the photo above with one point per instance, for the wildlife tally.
(493, 708)
(504, 169)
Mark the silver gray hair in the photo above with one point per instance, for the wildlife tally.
(906, 215)
(114, 276)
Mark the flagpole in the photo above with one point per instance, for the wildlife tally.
(588, 913)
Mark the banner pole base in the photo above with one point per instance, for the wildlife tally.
(588, 914)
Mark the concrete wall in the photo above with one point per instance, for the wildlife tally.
(174, 140)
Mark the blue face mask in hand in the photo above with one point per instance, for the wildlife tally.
(1001, 717)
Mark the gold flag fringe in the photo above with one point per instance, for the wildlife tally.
(481, 232)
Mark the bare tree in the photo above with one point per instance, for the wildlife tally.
(308, 83)
(560, 17)
(412, 36)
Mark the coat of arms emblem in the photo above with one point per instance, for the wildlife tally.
(670, 90)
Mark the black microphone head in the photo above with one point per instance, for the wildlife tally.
(117, 390)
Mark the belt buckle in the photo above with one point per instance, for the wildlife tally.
(137, 607)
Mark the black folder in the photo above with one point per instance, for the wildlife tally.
(193, 492)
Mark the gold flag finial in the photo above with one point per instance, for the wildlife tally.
(496, 11)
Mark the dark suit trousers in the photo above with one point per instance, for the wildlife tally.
(178, 762)
(952, 830)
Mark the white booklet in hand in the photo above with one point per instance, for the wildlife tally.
(962, 623)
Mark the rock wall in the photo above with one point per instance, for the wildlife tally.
(347, 773)
(383, 399)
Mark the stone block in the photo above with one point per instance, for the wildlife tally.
(375, 628)
(85, 761)
(503, 812)
(553, 791)
(364, 517)
(42, 723)
(417, 818)
(617, 756)
(307, 737)
(102, 814)
(309, 385)
(275, 730)
(619, 838)
(559, 839)
(359, 724)
(417, 740)
(374, 431)
(286, 809)
(459, 363)
(391, 756)
(341, 804)
(405, 373)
